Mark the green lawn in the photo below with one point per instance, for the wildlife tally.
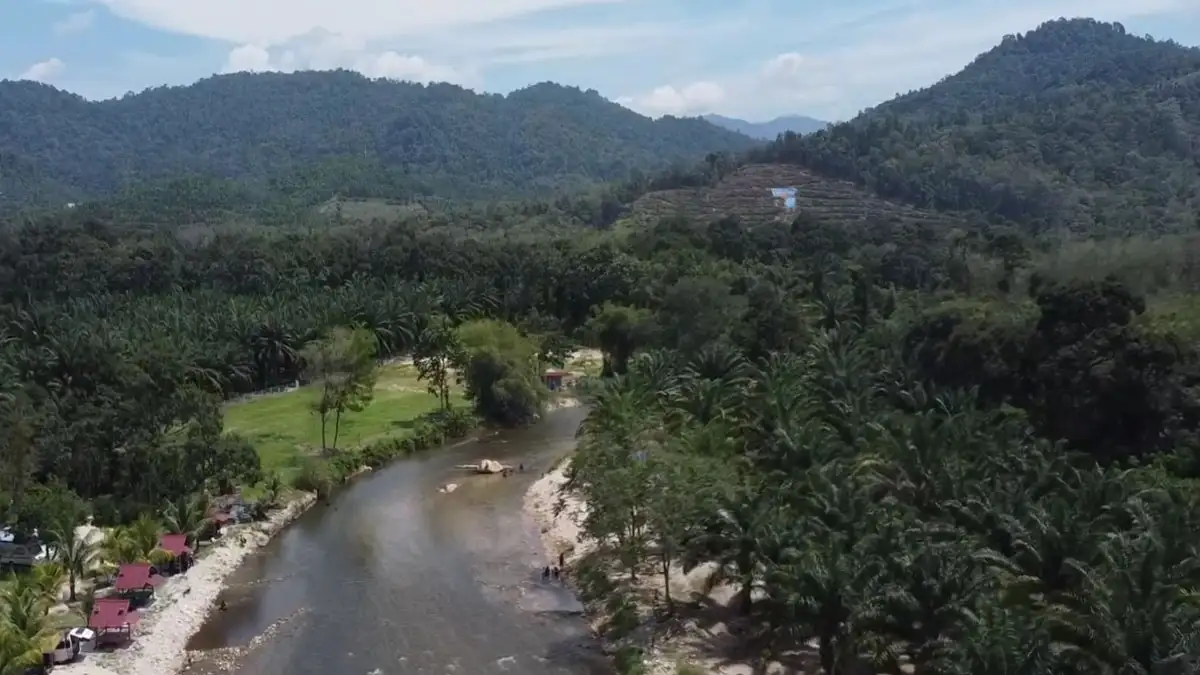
(284, 429)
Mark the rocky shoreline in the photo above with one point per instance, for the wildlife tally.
(182, 605)
(710, 651)
(559, 517)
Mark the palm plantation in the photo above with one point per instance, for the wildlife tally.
(937, 536)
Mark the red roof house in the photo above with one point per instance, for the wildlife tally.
(112, 617)
(554, 378)
(132, 577)
(175, 544)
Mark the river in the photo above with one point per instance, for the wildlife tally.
(395, 577)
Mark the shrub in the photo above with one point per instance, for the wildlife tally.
(630, 660)
(315, 475)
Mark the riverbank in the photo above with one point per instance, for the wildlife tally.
(183, 603)
(688, 649)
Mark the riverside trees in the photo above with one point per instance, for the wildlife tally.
(344, 368)
(501, 371)
(939, 533)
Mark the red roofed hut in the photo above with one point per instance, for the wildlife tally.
(137, 581)
(113, 620)
(555, 379)
(177, 546)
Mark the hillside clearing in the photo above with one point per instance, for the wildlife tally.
(746, 193)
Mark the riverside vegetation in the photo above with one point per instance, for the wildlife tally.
(954, 437)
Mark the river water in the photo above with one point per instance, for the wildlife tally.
(395, 577)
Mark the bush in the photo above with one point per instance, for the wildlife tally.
(623, 616)
(630, 660)
(315, 475)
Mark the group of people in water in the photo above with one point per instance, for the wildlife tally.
(556, 571)
(508, 470)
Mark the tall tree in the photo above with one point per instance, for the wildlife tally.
(344, 368)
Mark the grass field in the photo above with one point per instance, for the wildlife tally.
(284, 429)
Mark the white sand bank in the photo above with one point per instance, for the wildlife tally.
(559, 402)
(705, 649)
(183, 603)
(561, 533)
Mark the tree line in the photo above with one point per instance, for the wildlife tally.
(120, 345)
(866, 517)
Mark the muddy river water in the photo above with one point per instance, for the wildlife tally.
(394, 577)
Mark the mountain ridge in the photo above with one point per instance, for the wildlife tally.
(1075, 125)
(771, 129)
(58, 147)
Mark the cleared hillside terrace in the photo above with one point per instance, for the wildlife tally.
(747, 194)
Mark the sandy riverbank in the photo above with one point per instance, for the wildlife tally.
(182, 605)
(561, 402)
(709, 650)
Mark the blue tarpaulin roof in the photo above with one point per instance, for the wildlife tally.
(787, 194)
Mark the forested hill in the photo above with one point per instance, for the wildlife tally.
(57, 147)
(769, 130)
(1076, 124)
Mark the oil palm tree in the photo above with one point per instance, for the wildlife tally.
(736, 538)
(77, 553)
(818, 588)
(49, 578)
(1143, 614)
(136, 542)
(25, 607)
(18, 653)
(188, 515)
(1001, 641)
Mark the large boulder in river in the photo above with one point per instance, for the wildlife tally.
(485, 466)
(490, 466)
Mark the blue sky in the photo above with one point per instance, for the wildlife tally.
(751, 58)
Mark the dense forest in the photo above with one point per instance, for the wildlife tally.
(956, 445)
(1075, 125)
(268, 131)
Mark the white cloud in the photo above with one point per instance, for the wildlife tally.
(327, 52)
(248, 59)
(44, 71)
(877, 61)
(663, 55)
(75, 23)
(693, 99)
(525, 45)
(273, 22)
(395, 66)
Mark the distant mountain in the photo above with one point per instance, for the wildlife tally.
(769, 130)
(1076, 125)
(56, 147)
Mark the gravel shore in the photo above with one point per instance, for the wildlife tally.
(182, 605)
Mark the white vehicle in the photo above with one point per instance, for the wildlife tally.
(84, 639)
(64, 651)
(19, 551)
(73, 643)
